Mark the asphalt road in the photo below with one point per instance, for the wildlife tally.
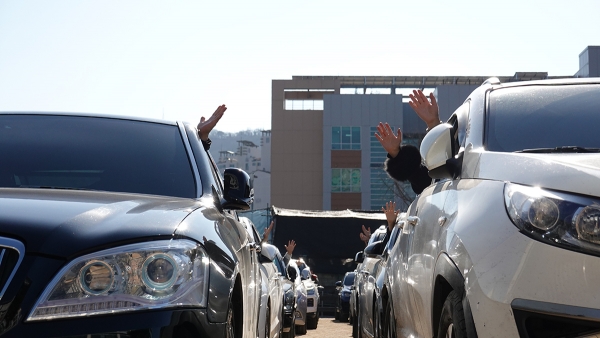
(329, 327)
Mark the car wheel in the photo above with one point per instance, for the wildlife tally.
(301, 329)
(452, 320)
(376, 321)
(311, 322)
(355, 326)
(389, 322)
(337, 315)
(230, 324)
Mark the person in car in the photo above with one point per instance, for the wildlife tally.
(403, 162)
(289, 248)
(391, 214)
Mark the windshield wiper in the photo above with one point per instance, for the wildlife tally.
(563, 149)
(51, 187)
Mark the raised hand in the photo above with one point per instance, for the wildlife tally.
(365, 235)
(426, 110)
(205, 126)
(389, 141)
(290, 247)
(390, 214)
(268, 231)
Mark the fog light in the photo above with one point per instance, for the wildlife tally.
(587, 223)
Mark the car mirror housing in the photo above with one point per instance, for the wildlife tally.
(437, 151)
(374, 249)
(292, 273)
(238, 191)
(269, 251)
(360, 257)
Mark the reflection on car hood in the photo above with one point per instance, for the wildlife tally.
(66, 222)
(578, 173)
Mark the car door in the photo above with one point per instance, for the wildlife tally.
(423, 218)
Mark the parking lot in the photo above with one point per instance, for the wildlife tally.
(329, 327)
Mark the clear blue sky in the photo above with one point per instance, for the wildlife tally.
(181, 59)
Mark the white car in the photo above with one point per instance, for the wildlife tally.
(270, 313)
(506, 241)
(272, 298)
(301, 308)
(312, 299)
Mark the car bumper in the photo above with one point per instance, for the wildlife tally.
(165, 323)
(528, 288)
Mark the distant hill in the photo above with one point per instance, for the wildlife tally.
(222, 141)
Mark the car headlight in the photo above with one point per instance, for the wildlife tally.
(134, 277)
(561, 219)
(346, 294)
(310, 291)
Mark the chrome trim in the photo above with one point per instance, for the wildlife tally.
(17, 246)
(191, 157)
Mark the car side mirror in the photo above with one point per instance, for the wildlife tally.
(437, 151)
(374, 249)
(269, 251)
(360, 257)
(238, 192)
(338, 284)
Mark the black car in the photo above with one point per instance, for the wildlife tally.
(116, 226)
(342, 308)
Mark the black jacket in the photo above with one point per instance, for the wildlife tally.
(407, 166)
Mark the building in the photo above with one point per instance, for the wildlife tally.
(324, 154)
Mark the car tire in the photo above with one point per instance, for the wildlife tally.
(231, 327)
(291, 333)
(301, 329)
(376, 321)
(337, 315)
(312, 322)
(452, 319)
(389, 321)
(355, 326)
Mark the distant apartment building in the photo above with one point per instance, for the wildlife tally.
(324, 153)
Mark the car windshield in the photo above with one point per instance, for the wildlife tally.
(349, 279)
(74, 152)
(561, 118)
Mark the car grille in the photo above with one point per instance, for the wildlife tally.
(310, 302)
(11, 255)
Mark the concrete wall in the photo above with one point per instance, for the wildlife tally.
(297, 148)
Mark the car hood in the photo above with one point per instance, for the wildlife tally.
(64, 223)
(578, 173)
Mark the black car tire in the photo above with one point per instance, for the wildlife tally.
(312, 322)
(301, 329)
(291, 333)
(230, 327)
(389, 321)
(337, 315)
(452, 320)
(355, 327)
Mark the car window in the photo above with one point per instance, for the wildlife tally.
(520, 118)
(462, 118)
(97, 153)
(280, 266)
(393, 238)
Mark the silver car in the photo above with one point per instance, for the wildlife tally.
(301, 297)
(506, 241)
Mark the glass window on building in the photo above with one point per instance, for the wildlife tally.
(345, 180)
(345, 138)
